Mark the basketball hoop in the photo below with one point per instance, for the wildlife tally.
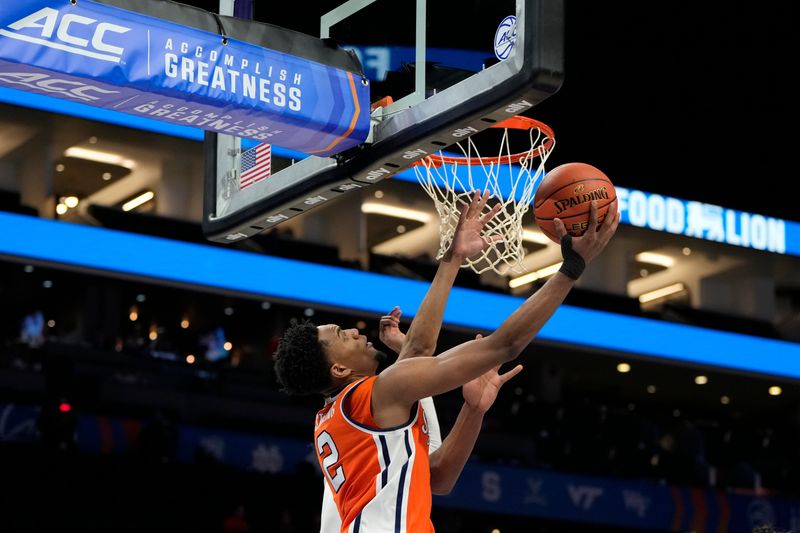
(451, 180)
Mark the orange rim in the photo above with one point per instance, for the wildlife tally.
(513, 123)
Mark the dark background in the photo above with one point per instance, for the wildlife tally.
(688, 99)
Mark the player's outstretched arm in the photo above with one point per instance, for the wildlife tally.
(424, 330)
(405, 382)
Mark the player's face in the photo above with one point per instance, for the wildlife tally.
(350, 349)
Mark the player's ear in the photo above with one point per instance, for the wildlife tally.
(340, 371)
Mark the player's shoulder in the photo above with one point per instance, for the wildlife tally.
(356, 400)
(360, 388)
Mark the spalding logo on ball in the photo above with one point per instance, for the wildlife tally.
(566, 193)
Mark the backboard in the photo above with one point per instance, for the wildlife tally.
(483, 62)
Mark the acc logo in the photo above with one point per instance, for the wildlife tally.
(43, 82)
(67, 31)
(504, 37)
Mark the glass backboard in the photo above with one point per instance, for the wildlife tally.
(437, 72)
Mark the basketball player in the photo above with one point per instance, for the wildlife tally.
(479, 395)
(421, 340)
(371, 439)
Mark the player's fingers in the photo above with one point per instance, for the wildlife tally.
(490, 215)
(489, 239)
(482, 203)
(592, 218)
(478, 336)
(478, 202)
(559, 227)
(511, 373)
(611, 215)
(611, 229)
(609, 226)
(462, 216)
(396, 312)
(466, 211)
(473, 205)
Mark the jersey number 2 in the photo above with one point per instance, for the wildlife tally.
(324, 439)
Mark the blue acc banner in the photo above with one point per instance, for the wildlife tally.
(117, 59)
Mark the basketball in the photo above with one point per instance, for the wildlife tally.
(566, 192)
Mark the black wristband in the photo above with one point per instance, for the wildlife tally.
(573, 264)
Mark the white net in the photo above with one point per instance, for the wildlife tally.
(452, 181)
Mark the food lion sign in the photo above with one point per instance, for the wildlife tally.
(100, 55)
(709, 222)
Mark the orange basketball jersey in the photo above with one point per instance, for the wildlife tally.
(379, 478)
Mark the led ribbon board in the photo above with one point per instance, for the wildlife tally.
(708, 222)
(672, 215)
(117, 59)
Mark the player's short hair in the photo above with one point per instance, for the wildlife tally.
(301, 365)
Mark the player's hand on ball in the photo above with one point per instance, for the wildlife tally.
(590, 244)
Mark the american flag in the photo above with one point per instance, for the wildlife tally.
(256, 165)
